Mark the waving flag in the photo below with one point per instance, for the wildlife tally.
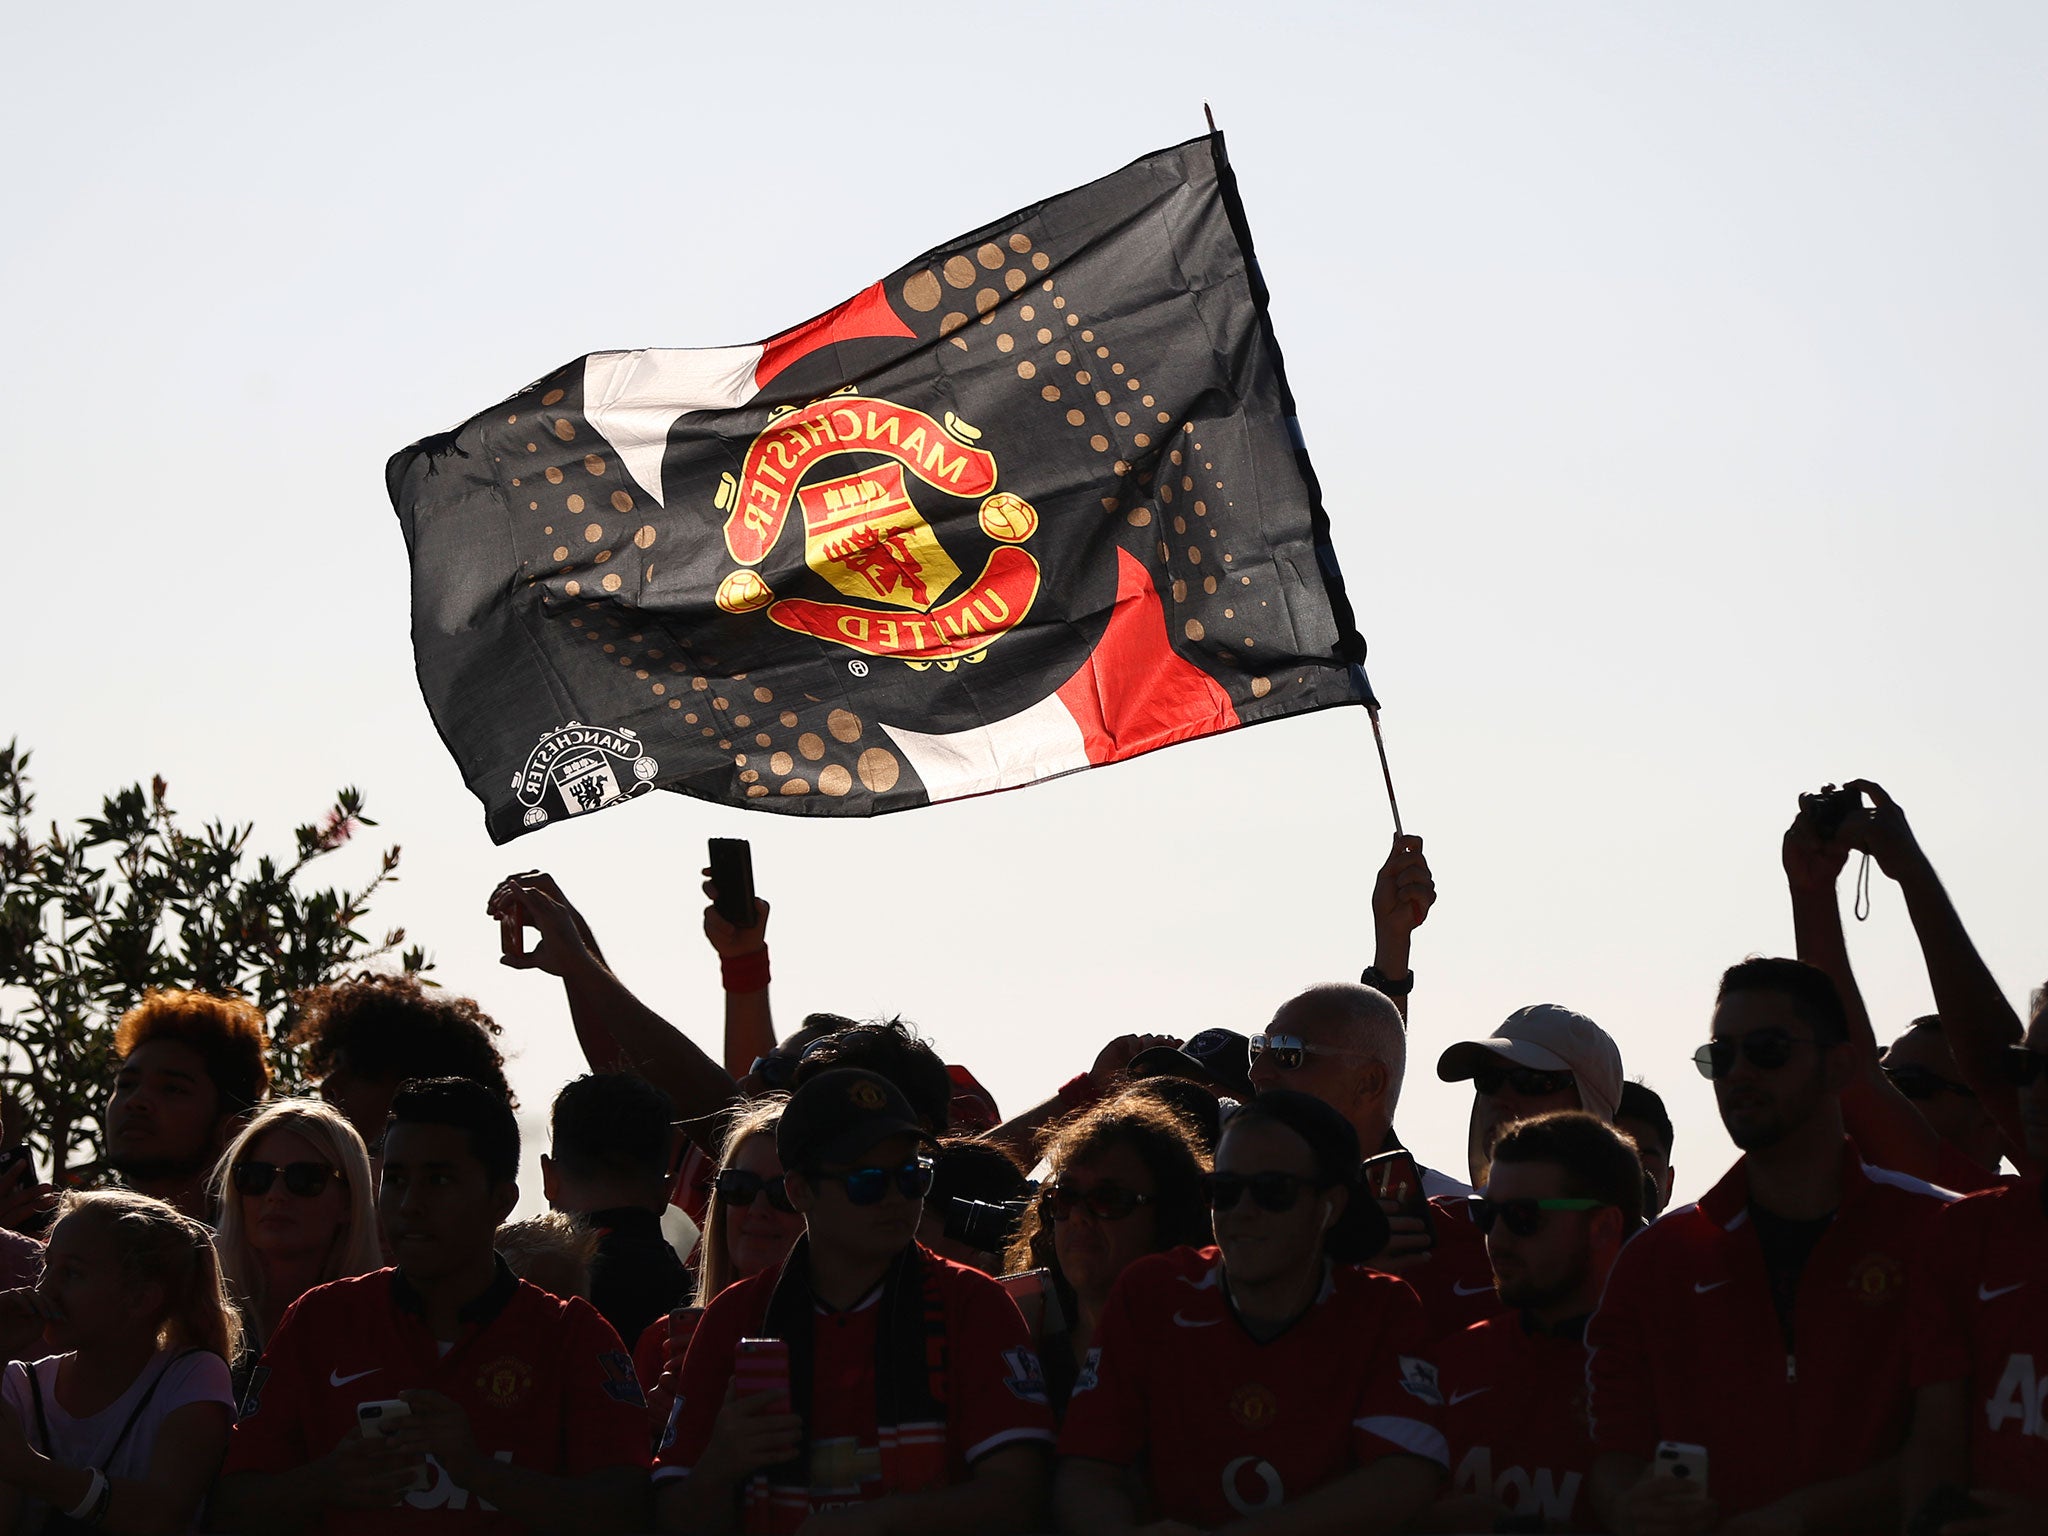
(1032, 503)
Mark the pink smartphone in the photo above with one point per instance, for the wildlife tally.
(762, 1365)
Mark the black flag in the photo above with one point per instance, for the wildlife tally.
(1034, 502)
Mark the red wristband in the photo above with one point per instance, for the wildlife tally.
(745, 973)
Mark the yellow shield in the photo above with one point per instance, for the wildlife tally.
(864, 536)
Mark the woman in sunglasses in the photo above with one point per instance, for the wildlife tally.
(1124, 1180)
(1267, 1371)
(297, 1209)
(749, 1226)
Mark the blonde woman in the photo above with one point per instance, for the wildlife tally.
(125, 1425)
(749, 1227)
(297, 1209)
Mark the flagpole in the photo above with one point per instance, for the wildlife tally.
(1373, 713)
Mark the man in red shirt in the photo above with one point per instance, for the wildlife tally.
(1980, 1341)
(1541, 1059)
(1566, 1191)
(914, 1399)
(510, 1408)
(1767, 1324)
(1259, 1385)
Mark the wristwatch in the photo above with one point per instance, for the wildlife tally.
(1380, 981)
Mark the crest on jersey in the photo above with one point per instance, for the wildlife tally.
(1876, 1279)
(505, 1382)
(1254, 1406)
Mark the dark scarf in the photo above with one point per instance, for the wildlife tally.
(911, 1360)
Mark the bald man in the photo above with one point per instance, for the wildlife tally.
(1346, 1044)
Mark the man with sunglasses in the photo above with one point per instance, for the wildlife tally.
(914, 1400)
(1768, 1323)
(1542, 1059)
(509, 1408)
(1268, 1383)
(1920, 1065)
(1980, 1336)
(1566, 1192)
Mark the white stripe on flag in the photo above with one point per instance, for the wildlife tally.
(1033, 744)
(633, 398)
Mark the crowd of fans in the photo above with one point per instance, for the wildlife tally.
(822, 1285)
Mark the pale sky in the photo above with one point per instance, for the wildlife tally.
(1675, 378)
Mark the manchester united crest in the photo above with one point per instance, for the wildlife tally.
(505, 1382)
(1254, 1406)
(1877, 1278)
(847, 465)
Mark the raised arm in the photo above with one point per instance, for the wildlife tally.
(1883, 1123)
(617, 1031)
(1402, 895)
(1976, 1020)
(1026, 1132)
(743, 971)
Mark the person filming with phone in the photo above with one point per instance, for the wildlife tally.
(1757, 1340)
(864, 1384)
(444, 1385)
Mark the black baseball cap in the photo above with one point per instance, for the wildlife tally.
(838, 1115)
(1216, 1058)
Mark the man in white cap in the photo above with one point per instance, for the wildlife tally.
(1543, 1058)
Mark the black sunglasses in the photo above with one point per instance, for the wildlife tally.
(1768, 1048)
(2024, 1065)
(305, 1179)
(1524, 1218)
(1529, 1082)
(736, 1186)
(1269, 1191)
(1105, 1201)
(1918, 1082)
(866, 1186)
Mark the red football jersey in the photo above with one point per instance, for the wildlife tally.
(995, 1389)
(1686, 1345)
(1979, 1317)
(1227, 1426)
(545, 1382)
(1455, 1286)
(1514, 1416)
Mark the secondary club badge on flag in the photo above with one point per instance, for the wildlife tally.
(1032, 503)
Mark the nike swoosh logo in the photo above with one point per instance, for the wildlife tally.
(1460, 1288)
(1984, 1294)
(336, 1379)
(1701, 1290)
(1459, 1397)
(1196, 1322)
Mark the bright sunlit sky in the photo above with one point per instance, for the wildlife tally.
(1675, 377)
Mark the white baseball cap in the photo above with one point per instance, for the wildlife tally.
(1548, 1038)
